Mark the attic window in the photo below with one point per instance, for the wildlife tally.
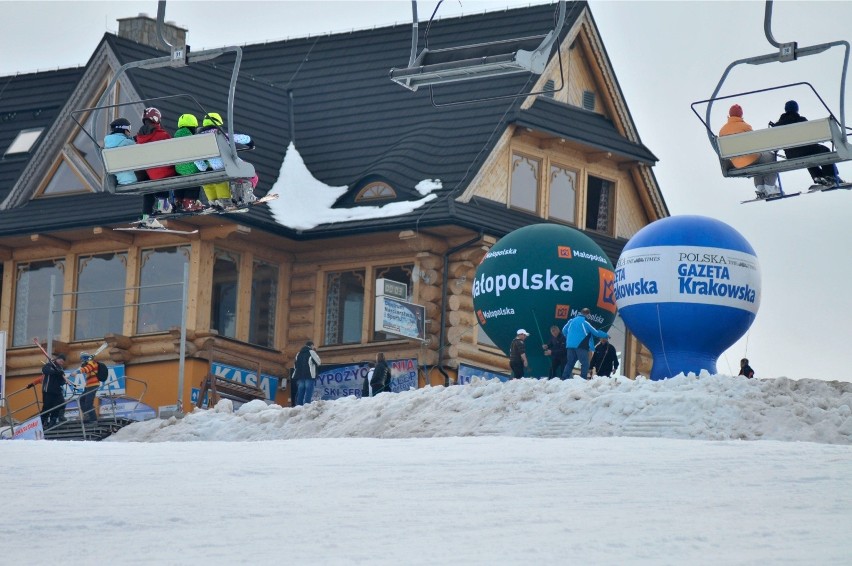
(375, 191)
(589, 100)
(24, 141)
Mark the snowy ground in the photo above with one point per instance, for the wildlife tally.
(530, 472)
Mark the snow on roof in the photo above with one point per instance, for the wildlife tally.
(305, 202)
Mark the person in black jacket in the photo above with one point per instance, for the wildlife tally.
(52, 379)
(605, 359)
(823, 175)
(555, 348)
(381, 380)
(305, 374)
(745, 369)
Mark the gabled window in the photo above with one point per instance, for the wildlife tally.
(526, 175)
(562, 204)
(375, 191)
(24, 141)
(78, 168)
(599, 204)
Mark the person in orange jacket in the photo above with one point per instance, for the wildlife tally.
(764, 185)
(89, 369)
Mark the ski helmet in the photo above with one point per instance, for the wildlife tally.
(212, 119)
(120, 125)
(187, 121)
(152, 114)
(85, 357)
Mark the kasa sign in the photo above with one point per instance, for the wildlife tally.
(539, 276)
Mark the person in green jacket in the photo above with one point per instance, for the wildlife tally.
(188, 199)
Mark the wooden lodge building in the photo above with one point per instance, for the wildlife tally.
(259, 289)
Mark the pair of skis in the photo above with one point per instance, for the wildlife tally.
(142, 226)
(811, 190)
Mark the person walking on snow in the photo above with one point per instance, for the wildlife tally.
(305, 375)
(380, 382)
(578, 334)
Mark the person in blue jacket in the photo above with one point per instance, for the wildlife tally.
(578, 336)
(120, 135)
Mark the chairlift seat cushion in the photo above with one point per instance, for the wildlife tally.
(777, 138)
(165, 152)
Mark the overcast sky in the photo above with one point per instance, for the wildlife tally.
(666, 55)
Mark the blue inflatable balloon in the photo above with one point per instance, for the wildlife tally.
(688, 287)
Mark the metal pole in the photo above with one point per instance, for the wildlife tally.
(50, 308)
(184, 301)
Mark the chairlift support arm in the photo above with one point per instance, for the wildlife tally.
(484, 60)
(786, 52)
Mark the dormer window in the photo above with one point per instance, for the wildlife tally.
(375, 191)
(24, 141)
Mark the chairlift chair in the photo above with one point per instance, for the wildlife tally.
(775, 139)
(478, 61)
(177, 150)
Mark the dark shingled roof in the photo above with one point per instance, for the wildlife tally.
(352, 125)
(27, 102)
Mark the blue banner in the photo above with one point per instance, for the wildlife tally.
(269, 383)
(114, 385)
(342, 380)
(466, 373)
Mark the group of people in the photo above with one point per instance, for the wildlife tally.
(220, 196)
(305, 369)
(766, 186)
(53, 379)
(573, 343)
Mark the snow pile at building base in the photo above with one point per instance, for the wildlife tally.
(692, 407)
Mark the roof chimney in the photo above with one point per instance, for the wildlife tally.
(143, 29)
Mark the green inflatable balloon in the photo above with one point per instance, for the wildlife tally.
(539, 276)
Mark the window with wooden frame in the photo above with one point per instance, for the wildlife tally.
(161, 288)
(600, 204)
(32, 299)
(375, 191)
(525, 182)
(349, 311)
(562, 194)
(223, 303)
(100, 295)
(264, 298)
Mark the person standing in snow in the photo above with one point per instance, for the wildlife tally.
(578, 334)
(518, 354)
(89, 369)
(305, 375)
(605, 359)
(380, 382)
(52, 379)
(745, 369)
(555, 348)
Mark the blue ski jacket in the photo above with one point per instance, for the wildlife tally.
(118, 140)
(577, 332)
